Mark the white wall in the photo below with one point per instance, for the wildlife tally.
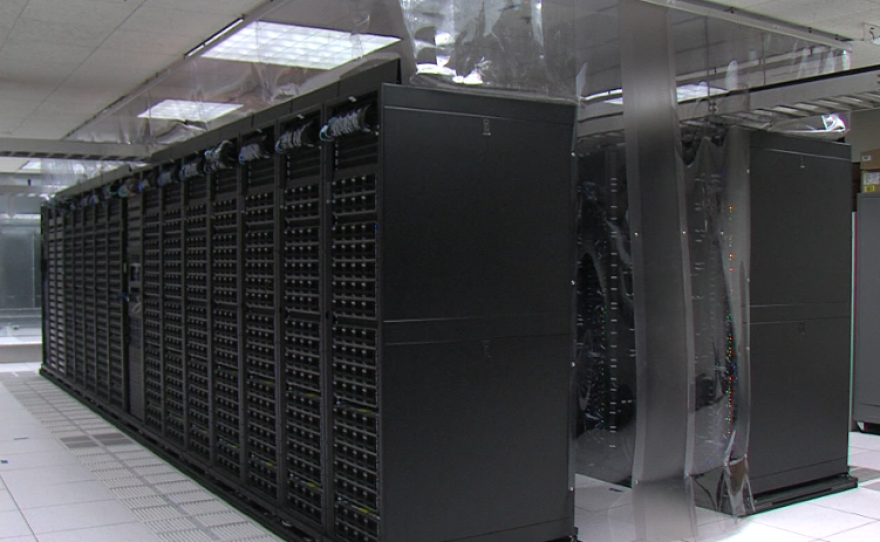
(864, 132)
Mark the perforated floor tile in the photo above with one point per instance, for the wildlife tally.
(132, 491)
(171, 525)
(216, 520)
(155, 469)
(176, 487)
(240, 531)
(110, 474)
(186, 536)
(165, 478)
(147, 501)
(157, 513)
(190, 497)
(129, 481)
(206, 507)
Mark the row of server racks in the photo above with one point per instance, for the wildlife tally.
(286, 309)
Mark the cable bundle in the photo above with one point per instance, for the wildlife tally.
(126, 190)
(346, 124)
(221, 157)
(253, 151)
(191, 169)
(296, 139)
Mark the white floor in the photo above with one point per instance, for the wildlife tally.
(68, 476)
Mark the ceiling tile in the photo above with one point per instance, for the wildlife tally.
(865, 54)
(40, 52)
(61, 111)
(745, 4)
(17, 108)
(141, 63)
(118, 71)
(158, 43)
(86, 12)
(851, 26)
(64, 33)
(177, 21)
(814, 12)
(24, 90)
(232, 8)
(11, 165)
(8, 125)
(72, 92)
(11, 9)
(40, 62)
(46, 129)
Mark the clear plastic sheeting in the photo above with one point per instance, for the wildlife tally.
(831, 127)
(715, 162)
(717, 188)
(562, 49)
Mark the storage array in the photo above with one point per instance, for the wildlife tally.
(353, 275)
(254, 258)
(84, 313)
(195, 302)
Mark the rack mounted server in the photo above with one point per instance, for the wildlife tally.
(352, 314)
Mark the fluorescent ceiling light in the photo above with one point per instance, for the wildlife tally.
(187, 110)
(297, 46)
(32, 166)
(685, 93)
(698, 91)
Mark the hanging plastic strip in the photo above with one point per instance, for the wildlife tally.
(296, 138)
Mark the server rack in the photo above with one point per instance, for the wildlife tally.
(116, 319)
(866, 377)
(301, 315)
(225, 338)
(154, 398)
(800, 316)
(196, 232)
(301, 343)
(798, 194)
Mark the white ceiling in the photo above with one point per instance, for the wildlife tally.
(845, 18)
(63, 61)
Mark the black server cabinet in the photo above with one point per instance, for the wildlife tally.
(352, 314)
(133, 334)
(197, 407)
(799, 312)
(866, 378)
(452, 268)
(800, 290)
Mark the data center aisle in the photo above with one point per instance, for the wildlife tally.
(66, 475)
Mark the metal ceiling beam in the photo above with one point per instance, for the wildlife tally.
(72, 150)
(856, 91)
(754, 20)
(24, 190)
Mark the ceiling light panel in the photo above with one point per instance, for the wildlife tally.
(188, 111)
(297, 46)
